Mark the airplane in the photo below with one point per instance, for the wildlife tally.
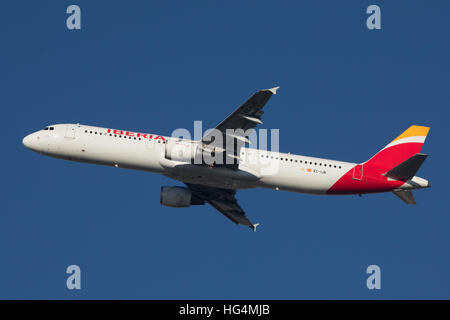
(392, 169)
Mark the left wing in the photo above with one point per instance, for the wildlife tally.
(224, 201)
(247, 116)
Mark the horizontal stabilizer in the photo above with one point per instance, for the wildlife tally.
(407, 169)
(406, 196)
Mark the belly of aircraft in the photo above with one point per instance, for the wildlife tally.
(210, 180)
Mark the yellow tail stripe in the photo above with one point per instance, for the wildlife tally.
(413, 131)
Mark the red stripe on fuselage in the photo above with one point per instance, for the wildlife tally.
(372, 179)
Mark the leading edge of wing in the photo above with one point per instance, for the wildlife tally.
(247, 115)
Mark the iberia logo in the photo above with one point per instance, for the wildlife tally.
(135, 134)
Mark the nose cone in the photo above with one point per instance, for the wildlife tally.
(31, 141)
(27, 141)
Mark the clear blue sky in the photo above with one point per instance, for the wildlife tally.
(154, 66)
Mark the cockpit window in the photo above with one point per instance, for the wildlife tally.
(51, 128)
(46, 128)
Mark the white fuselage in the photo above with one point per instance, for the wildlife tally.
(146, 152)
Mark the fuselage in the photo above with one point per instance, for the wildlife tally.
(257, 168)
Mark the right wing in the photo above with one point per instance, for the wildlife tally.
(247, 116)
(224, 201)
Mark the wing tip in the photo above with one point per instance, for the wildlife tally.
(273, 90)
(254, 226)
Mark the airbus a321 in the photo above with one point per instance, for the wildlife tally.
(392, 169)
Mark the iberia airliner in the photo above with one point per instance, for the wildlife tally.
(392, 169)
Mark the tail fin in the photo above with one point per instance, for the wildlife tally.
(406, 145)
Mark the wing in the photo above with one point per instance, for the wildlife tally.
(247, 116)
(224, 201)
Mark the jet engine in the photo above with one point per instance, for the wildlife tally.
(179, 197)
(181, 150)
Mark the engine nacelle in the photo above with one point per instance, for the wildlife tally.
(181, 150)
(178, 197)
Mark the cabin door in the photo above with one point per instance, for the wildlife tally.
(70, 131)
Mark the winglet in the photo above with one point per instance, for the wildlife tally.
(254, 226)
(274, 90)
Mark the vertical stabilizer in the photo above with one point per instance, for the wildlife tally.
(402, 148)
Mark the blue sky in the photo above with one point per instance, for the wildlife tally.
(155, 66)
